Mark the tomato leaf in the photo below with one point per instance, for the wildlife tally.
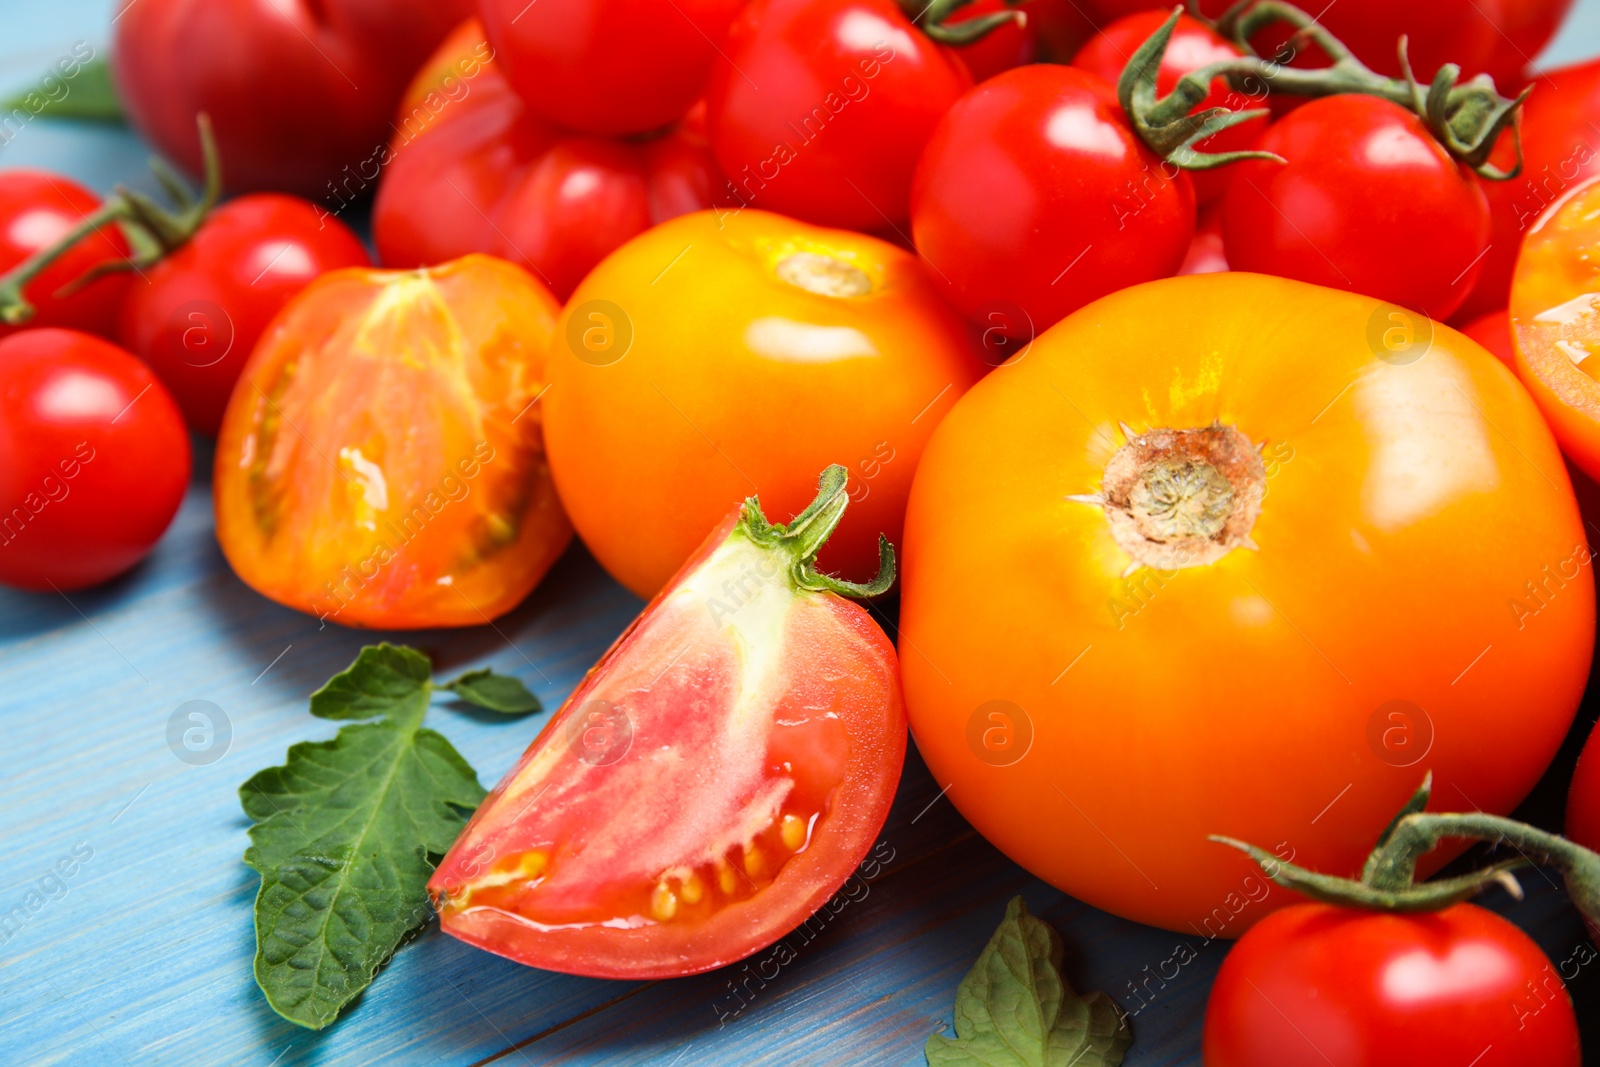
(1014, 1009)
(385, 679)
(89, 97)
(495, 692)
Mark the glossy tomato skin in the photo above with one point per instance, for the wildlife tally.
(94, 460)
(381, 461)
(37, 209)
(297, 90)
(608, 66)
(195, 316)
(1193, 45)
(1367, 201)
(1034, 191)
(1318, 984)
(1410, 493)
(819, 108)
(710, 355)
(672, 767)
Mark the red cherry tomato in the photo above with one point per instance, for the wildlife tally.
(37, 209)
(1010, 45)
(1193, 45)
(818, 109)
(608, 66)
(1368, 201)
(1035, 194)
(195, 316)
(297, 90)
(1493, 331)
(1315, 984)
(93, 460)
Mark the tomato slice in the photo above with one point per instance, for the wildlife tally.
(710, 784)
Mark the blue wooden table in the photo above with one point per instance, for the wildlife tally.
(142, 954)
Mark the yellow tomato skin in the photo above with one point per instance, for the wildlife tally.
(381, 460)
(687, 374)
(1418, 541)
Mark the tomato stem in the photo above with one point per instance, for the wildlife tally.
(933, 20)
(805, 534)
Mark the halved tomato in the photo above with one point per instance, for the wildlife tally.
(712, 782)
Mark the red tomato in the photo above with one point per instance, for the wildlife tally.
(297, 90)
(1193, 45)
(1010, 45)
(1034, 192)
(1316, 984)
(715, 779)
(37, 209)
(93, 460)
(608, 66)
(1493, 331)
(1061, 27)
(1333, 214)
(1583, 805)
(195, 316)
(818, 109)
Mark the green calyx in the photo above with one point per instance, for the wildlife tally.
(933, 20)
(1467, 118)
(803, 536)
(1387, 881)
(152, 231)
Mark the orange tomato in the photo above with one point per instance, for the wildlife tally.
(1555, 321)
(722, 355)
(1230, 554)
(381, 460)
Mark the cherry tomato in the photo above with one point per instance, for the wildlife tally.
(819, 108)
(381, 463)
(93, 460)
(1316, 984)
(1493, 332)
(1240, 563)
(37, 209)
(297, 90)
(1034, 192)
(195, 316)
(608, 66)
(1193, 45)
(1331, 215)
(715, 779)
(1583, 805)
(1010, 45)
(690, 348)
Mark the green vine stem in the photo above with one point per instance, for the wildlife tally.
(1467, 117)
(151, 231)
(1388, 882)
(804, 535)
(932, 18)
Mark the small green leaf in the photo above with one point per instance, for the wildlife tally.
(496, 692)
(90, 96)
(1014, 1009)
(385, 679)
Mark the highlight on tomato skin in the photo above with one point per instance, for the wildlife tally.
(381, 461)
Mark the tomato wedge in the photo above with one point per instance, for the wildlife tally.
(712, 782)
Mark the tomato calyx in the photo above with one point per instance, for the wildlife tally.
(152, 231)
(1467, 118)
(933, 20)
(803, 536)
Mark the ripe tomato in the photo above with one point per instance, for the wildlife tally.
(1493, 332)
(195, 316)
(1371, 552)
(713, 781)
(380, 463)
(1317, 984)
(1330, 215)
(37, 209)
(475, 171)
(691, 348)
(1193, 45)
(1035, 192)
(297, 90)
(93, 460)
(1010, 45)
(819, 108)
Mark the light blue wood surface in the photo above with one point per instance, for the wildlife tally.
(142, 955)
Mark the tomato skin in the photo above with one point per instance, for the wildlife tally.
(1244, 696)
(195, 316)
(1330, 216)
(854, 70)
(1001, 48)
(94, 460)
(1035, 191)
(608, 66)
(1318, 984)
(37, 208)
(1493, 332)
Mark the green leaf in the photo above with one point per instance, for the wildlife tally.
(385, 679)
(496, 692)
(90, 96)
(1015, 1010)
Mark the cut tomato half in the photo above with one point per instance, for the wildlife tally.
(712, 782)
